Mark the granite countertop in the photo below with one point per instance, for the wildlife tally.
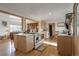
(24, 34)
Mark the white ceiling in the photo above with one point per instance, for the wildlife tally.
(50, 12)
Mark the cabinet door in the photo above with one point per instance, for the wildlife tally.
(64, 45)
(21, 43)
(30, 42)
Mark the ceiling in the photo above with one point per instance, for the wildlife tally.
(50, 12)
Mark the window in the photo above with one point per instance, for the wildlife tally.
(15, 28)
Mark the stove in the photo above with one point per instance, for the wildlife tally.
(38, 40)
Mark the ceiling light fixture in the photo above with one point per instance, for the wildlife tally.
(50, 13)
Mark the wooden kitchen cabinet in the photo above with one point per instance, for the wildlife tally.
(64, 45)
(23, 42)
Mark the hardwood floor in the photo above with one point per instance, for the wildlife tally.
(7, 49)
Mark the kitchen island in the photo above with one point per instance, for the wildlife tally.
(24, 42)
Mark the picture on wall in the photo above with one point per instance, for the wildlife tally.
(60, 24)
(4, 23)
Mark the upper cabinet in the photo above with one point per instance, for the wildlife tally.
(31, 26)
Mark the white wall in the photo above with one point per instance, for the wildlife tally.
(4, 17)
(4, 30)
(59, 29)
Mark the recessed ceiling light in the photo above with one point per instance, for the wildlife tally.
(50, 13)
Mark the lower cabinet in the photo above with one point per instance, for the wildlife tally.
(24, 43)
(64, 45)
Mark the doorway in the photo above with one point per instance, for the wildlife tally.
(50, 30)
